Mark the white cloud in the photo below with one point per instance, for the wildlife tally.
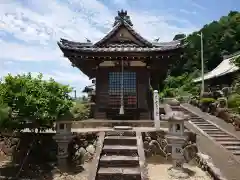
(187, 12)
(44, 26)
(76, 20)
(21, 52)
(120, 2)
(152, 26)
(72, 79)
(69, 77)
(30, 29)
(193, 3)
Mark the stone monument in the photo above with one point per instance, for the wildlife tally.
(63, 137)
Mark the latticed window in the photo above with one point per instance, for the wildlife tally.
(129, 89)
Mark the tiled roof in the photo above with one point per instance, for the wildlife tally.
(74, 44)
(121, 45)
(118, 49)
(102, 46)
(170, 43)
(225, 67)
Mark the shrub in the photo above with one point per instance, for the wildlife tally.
(207, 100)
(80, 111)
(34, 102)
(222, 101)
(234, 102)
(4, 115)
(205, 104)
(180, 98)
(169, 92)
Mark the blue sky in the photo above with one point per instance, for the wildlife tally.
(29, 29)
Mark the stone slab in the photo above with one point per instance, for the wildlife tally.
(111, 171)
(122, 127)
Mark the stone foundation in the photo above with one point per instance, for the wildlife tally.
(205, 163)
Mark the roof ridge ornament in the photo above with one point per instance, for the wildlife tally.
(122, 17)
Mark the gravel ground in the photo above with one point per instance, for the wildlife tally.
(57, 176)
(158, 168)
(79, 176)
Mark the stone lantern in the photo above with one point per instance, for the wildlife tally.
(63, 137)
(176, 137)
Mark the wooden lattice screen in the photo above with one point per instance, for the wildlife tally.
(129, 89)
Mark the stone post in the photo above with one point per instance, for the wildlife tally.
(63, 137)
(177, 151)
(156, 109)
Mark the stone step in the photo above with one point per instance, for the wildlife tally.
(236, 152)
(198, 122)
(119, 150)
(212, 129)
(221, 136)
(119, 161)
(121, 133)
(213, 133)
(119, 174)
(233, 148)
(225, 138)
(193, 116)
(229, 143)
(197, 119)
(122, 128)
(207, 125)
(120, 140)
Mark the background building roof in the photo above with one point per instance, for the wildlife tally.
(225, 67)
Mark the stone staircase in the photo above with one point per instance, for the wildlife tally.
(120, 158)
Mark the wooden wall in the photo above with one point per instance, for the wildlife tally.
(142, 76)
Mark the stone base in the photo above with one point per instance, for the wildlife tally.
(62, 164)
(177, 173)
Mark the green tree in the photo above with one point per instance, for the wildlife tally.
(4, 115)
(220, 38)
(34, 102)
(236, 61)
(179, 36)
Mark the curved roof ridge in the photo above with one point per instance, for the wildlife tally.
(66, 42)
(115, 29)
